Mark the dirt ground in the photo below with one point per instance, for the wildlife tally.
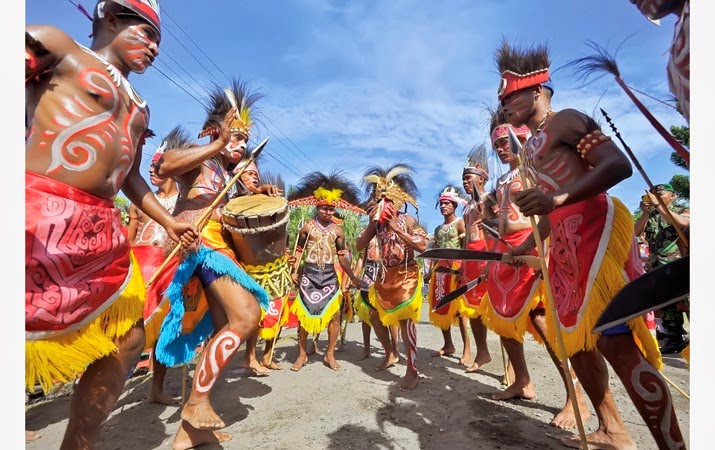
(359, 408)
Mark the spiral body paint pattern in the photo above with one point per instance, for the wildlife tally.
(216, 356)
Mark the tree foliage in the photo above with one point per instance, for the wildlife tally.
(123, 204)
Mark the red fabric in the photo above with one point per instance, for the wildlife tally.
(471, 271)
(575, 235)
(272, 316)
(441, 285)
(76, 253)
(510, 287)
(150, 257)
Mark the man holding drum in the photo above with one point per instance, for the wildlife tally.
(319, 296)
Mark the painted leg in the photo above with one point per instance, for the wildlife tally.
(98, 390)
(646, 387)
(409, 337)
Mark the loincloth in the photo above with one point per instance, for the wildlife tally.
(440, 284)
(470, 301)
(274, 277)
(397, 294)
(83, 287)
(319, 296)
(187, 325)
(512, 293)
(593, 254)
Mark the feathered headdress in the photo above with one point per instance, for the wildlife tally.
(477, 163)
(319, 189)
(521, 68)
(394, 183)
(603, 62)
(178, 137)
(499, 128)
(221, 100)
(453, 194)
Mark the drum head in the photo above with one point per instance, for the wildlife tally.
(255, 205)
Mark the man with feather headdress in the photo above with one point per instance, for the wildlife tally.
(397, 293)
(234, 298)
(593, 252)
(449, 234)
(149, 240)
(480, 207)
(513, 302)
(322, 241)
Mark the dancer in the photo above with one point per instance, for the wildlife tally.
(234, 300)
(592, 246)
(397, 293)
(149, 240)
(84, 292)
(319, 295)
(450, 234)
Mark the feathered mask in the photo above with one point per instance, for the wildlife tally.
(452, 194)
(477, 162)
(521, 68)
(500, 129)
(319, 189)
(178, 137)
(394, 184)
(221, 100)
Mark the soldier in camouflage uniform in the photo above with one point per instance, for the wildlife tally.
(663, 245)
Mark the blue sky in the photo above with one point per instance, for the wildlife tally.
(350, 84)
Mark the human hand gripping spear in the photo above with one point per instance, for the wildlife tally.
(250, 157)
(516, 149)
(668, 214)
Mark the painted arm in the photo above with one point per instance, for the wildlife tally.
(412, 238)
(45, 47)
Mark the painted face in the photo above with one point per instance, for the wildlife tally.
(325, 213)
(236, 148)
(250, 178)
(518, 106)
(468, 179)
(446, 207)
(501, 146)
(138, 44)
(657, 9)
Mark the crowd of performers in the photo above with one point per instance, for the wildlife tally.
(98, 293)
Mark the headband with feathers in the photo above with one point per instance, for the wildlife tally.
(319, 189)
(521, 68)
(221, 100)
(477, 163)
(453, 194)
(499, 128)
(394, 183)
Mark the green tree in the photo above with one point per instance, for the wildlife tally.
(681, 183)
(123, 204)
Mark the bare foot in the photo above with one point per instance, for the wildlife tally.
(600, 440)
(527, 392)
(163, 398)
(299, 362)
(387, 363)
(256, 368)
(273, 365)
(566, 419)
(189, 437)
(31, 436)
(202, 416)
(365, 354)
(330, 361)
(409, 381)
(444, 351)
(466, 359)
(479, 361)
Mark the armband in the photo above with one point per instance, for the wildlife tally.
(342, 252)
(298, 248)
(591, 141)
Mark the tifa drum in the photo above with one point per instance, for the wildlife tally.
(258, 225)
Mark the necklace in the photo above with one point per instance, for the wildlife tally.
(543, 121)
(119, 80)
